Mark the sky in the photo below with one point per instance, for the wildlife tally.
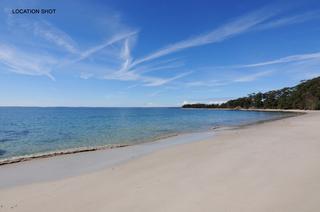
(148, 53)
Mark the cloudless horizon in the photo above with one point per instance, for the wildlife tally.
(154, 53)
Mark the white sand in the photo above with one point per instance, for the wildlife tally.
(272, 167)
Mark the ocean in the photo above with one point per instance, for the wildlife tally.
(33, 130)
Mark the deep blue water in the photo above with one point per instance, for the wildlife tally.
(35, 130)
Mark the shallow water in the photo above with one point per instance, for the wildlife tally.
(35, 130)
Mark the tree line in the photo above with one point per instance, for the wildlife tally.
(304, 96)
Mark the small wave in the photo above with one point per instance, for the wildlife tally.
(14, 132)
(2, 140)
(12, 135)
(49, 140)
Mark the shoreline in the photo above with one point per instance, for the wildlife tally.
(72, 165)
(76, 150)
(256, 109)
(17, 159)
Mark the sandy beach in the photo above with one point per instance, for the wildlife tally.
(271, 167)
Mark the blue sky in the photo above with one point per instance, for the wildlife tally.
(154, 53)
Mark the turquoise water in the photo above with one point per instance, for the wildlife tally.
(35, 130)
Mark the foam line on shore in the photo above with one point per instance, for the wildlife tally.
(59, 152)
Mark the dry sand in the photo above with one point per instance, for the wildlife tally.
(272, 167)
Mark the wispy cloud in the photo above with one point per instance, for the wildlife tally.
(253, 77)
(85, 75)
(305, 64)
(124, 73)
(287, 59)
(47, 31)
(238, 26)
(40, 28)
(116, 38)
(26, 63)
(228, 81)
(296, 19)
(209, 83)
(152, 81)
(164, 65)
